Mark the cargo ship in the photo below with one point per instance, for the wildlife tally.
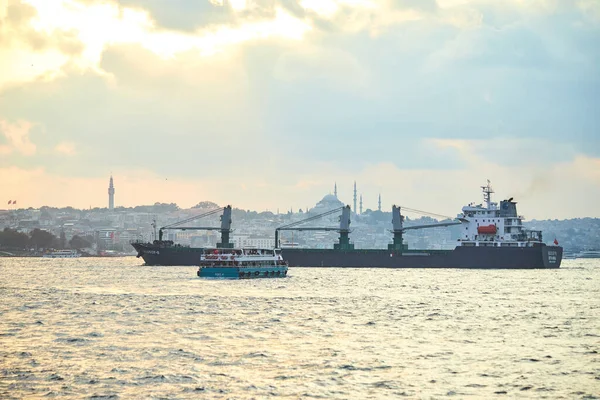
(166, 252)
(492, 236)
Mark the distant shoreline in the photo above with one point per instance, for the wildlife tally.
(14, 254)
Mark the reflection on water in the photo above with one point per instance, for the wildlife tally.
(109, 328)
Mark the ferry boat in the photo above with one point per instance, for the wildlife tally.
(588, 254)
(232, 263)
(62, 254)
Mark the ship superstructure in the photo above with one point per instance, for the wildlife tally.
(491, 225)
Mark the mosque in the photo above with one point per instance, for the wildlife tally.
(331, 201)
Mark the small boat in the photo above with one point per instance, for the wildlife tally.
(224, 263)
(62, 254)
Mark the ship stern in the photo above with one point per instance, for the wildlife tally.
(552, 256)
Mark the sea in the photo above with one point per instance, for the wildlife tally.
(110, 328)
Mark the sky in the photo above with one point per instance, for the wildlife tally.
(265, 104)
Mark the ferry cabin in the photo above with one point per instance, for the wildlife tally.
(62, 254)
(241, 258)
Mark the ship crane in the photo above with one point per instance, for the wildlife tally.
(343, 229)
(225, 227)
(399, 228)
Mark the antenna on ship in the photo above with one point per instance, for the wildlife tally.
(487, 194)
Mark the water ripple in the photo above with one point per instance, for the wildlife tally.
(111, 329)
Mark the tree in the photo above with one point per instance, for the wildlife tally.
(11, 238)
(157, 208)
(77, 242)
(206, 204)
(41, 239)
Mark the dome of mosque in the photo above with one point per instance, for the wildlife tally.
(327, 203)
(331, 199)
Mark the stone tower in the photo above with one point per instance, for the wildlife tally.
(111, 194)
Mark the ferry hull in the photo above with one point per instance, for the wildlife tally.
(242, 273)
(541, 256)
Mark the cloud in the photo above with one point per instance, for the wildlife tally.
(66, 148)
(590, 9)
(41, 37)
(506, 151)
(283, 97)
(331, 66)
(17, 137)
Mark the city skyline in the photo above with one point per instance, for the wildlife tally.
(263, 104)
(377, 203)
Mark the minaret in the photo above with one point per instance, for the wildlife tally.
(335, 189)
(379, 207)
(111, 195)
(361, 203)
(355, 197)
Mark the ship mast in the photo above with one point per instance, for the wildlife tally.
(487, 194)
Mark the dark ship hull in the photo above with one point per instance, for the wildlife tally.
(539, 256)
(157, 254)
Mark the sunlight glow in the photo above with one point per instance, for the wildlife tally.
(238, 5)
(325, 8)
(328, 8)
(101, 25)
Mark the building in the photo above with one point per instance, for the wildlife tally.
(253, 241)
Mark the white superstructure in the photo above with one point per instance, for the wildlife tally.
(241, 257)
(62, 254)
(492, 225)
